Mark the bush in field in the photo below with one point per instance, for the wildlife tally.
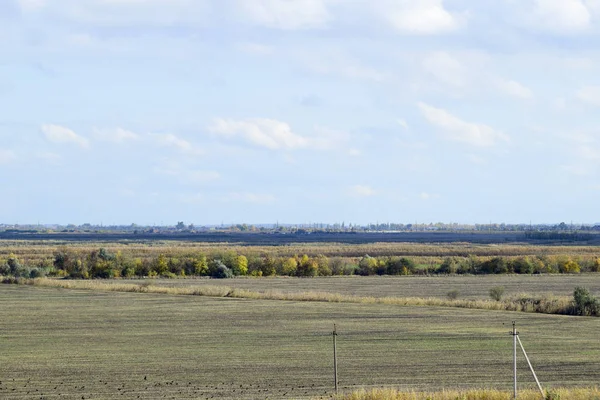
(338, 265)
(585, 303)
(176, 266)
(79, 270)
(595, 267)
(496, 265)
(14, 265)
(323, 268)
(268, 266)
(160, 265)
(307, 267)
(522, 265)
(142, 267)
(367, 265)
(200, 265)
(450, 265)
(289, 267)
(568, 266)
(453, 294)
(35, 273)
(497, 292)
(220, 270)
(240, 265)
(400, 266)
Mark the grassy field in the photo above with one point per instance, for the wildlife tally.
(71, 344)
(469, 287)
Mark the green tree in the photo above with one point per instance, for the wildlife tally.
(400, 266)
(367, 265)
(161, 265)
(585, 303)
(240, 265)
(307, 267)
(323, 265)
(289, 266)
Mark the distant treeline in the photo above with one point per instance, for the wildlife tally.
(560, 236)
(102, 263)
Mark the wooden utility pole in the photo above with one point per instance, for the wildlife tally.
(514, 335)
(335, 372)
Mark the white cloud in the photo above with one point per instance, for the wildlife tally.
(117, 135)
(514, 89)
(445, 69)
(458, 130)
(61, 134)
(590, 95)
(557, 16)
(402, 123)
(424, 17)
(284, 14)
(361, 191)
(249, 197)
(182, 145)
(7, 156)
(354, 153)
(262, 132)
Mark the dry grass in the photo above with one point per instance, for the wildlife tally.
(479, 394)
(422, 253)
(524, 303)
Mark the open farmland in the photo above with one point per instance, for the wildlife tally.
(468, 287)
(85, 344)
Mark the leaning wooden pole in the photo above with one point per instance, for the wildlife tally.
(531, 368)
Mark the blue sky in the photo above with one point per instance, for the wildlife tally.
(150, 111)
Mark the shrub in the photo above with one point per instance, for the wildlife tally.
(585, 303)
(240, 265)
(522, 265)
(400, 266)
(497, 292)
(453, 294)
(307, 267)
(568, 267)
(338, 265)
(35, 273)
(161, 265)
(367, 265)
(289, 266)
(222, 272)
(449, 266)
(496, 265)
(128, 271)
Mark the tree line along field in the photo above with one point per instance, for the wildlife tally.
(192, 259)
(73, 344)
